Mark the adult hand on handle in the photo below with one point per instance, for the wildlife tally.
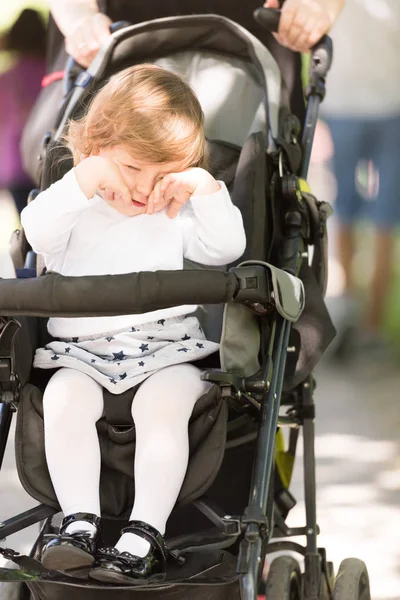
(84, 41)
(304, 22)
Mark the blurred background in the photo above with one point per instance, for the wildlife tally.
(355, 167)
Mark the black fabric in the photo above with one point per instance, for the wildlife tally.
(207, 435)
(223, 161)
(250, 195)
(39, 125)
(106, 295)
(311, 335)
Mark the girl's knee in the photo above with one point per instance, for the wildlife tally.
(69, 390)
(178, 376)
(169, 394)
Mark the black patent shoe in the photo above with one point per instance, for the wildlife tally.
(71, 552)
(112, 566)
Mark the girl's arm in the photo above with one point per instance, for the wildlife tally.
(49, 219)
(213, 232)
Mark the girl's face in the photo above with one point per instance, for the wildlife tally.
(139, 176)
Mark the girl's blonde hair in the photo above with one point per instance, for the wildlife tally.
(149, 111)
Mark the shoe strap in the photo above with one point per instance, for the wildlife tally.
(81, 516)
(148, 533)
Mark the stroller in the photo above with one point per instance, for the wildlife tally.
(268, 311)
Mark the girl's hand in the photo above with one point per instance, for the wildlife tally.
(86, 38)
(97, 173)
(175, 189)
(304, 22)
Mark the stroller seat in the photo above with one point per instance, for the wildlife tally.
(207, 432)
(208, 424)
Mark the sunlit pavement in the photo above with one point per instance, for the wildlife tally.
(358, 468)
(358, 473)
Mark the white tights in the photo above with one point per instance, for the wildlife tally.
(73, 403)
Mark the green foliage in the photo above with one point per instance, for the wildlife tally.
(9, 11)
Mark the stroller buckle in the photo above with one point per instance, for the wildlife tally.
(253, 516)
(254, 284)
(9, 381)
(224, 379)
(232, 526)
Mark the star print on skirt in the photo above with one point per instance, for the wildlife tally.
(120, 360)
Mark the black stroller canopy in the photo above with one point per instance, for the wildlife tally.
(213, 35)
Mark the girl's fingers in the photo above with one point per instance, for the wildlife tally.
(118, 183)
(154, 200)
(108, 195)
(158, 195)
(150, 203)
(126, 195)
(159, 199)
(177, 202)
(174, 208)
(166, 182)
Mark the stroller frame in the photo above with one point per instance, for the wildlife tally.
(254, 528)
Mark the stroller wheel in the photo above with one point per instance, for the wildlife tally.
(352, 581)
(284, 579)
(324, 593)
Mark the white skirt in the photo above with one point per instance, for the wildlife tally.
(120, 360)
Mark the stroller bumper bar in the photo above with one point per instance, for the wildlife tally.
(261, 286)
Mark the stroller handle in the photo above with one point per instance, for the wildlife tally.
(320, 62)
(268, 18)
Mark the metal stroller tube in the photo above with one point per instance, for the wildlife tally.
(257, 517)
(320, 62)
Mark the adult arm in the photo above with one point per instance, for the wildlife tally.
(84, 27)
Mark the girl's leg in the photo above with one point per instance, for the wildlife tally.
(72, 403)
(161, 411)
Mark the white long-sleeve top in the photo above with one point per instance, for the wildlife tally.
(77, 236)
